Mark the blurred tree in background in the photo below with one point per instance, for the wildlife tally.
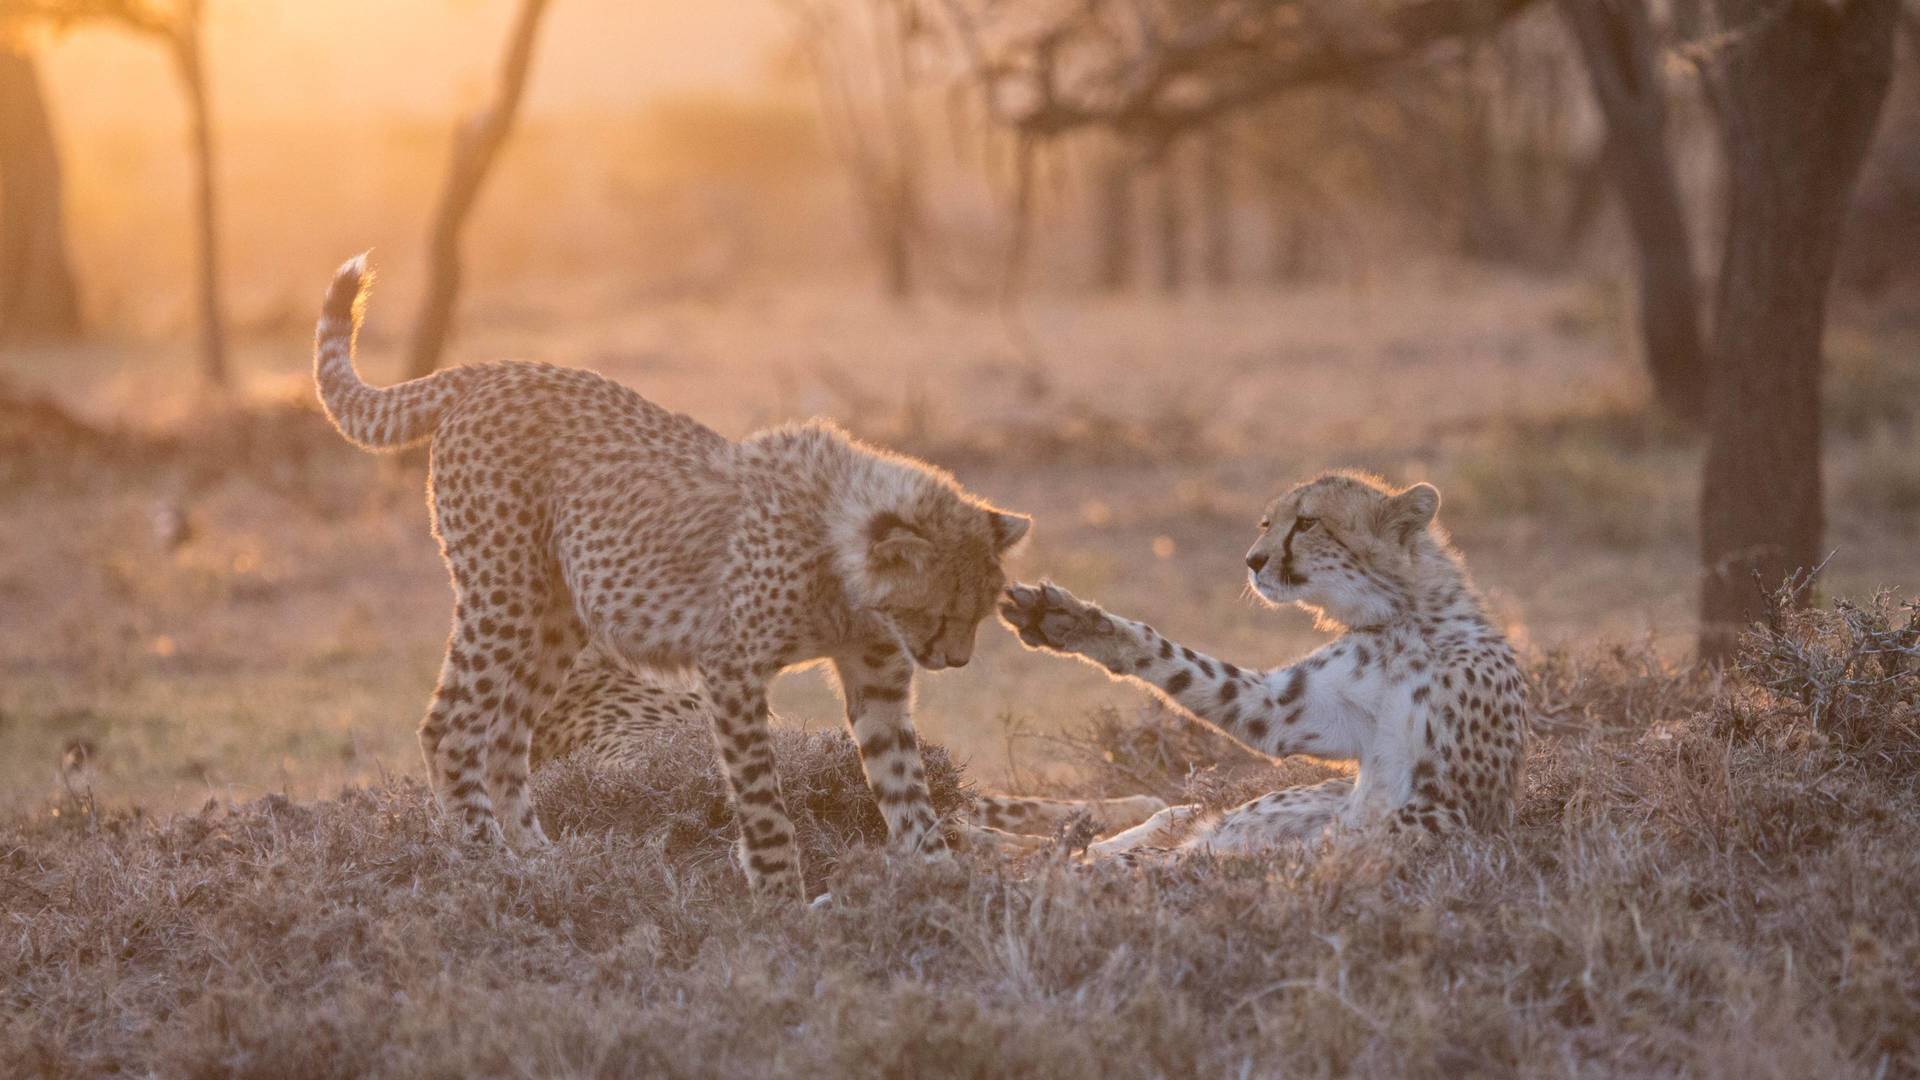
(38, 298)
(1489, 129)
(1796, 88)
(179, 28)
(1623, 54)
(867, 71)
(476, 145)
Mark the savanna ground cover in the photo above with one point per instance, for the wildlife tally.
(219, 624)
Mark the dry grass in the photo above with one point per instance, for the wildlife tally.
(1676, 900)
(1707, 878)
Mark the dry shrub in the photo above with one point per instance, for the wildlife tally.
(1849, 673)
(677, 799)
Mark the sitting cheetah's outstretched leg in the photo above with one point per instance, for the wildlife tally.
(973, 837)
(1044, 817)
(1162, 830)
(1299, 814)
(1012, 824)
(1294, 814)
(1301, 708)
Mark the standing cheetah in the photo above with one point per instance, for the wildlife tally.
(1422, 689)
(571, 511)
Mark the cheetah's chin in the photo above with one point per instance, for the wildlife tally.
(1277, 596)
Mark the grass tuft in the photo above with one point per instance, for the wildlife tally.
(1849, 674)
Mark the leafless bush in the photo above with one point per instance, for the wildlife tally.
(1849, 673)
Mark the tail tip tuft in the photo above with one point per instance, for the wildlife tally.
(349, 289)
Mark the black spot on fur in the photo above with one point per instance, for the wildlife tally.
(1296, 685)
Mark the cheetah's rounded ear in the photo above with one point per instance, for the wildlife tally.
(1008, 529)
(895, 545)
(1407, 515)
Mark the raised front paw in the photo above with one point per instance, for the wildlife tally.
(1047, 616)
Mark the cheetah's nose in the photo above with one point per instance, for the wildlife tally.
(1256, 560)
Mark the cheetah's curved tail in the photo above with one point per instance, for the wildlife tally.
(372, 418)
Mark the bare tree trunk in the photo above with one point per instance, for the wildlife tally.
(38, 299)
(1216, 208)
(892, 45)
(1481, 234)
(189, 66)
(1543, 165)
(1114, 197)
(1288, 251)
(476, 144)
(862, 55)
(1171, 224)
(1799, 88)
(1586, 188)
(1622, 56)
(895, 224)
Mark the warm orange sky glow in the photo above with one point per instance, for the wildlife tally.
(280, 59)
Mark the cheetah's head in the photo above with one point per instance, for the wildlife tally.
(1344, 546)
(932, 572)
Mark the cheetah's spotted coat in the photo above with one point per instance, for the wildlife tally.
(573, 512)
(1422, 689)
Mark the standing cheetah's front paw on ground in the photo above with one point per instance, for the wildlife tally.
(1047, 616)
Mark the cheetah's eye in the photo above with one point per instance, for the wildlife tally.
(1305, 524)
(1265, 524)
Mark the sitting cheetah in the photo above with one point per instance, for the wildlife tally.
(572, 511)
(616, 716)
(1421, 689)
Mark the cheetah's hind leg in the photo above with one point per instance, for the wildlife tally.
(556, 642)
(1044, 817)
(453, 736)
(1161, 830)
(1291, 815)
